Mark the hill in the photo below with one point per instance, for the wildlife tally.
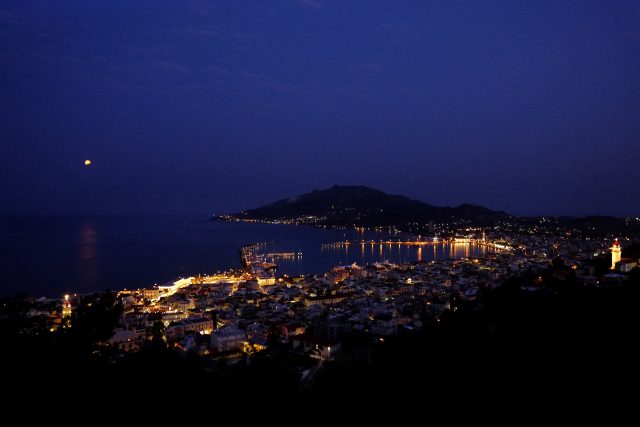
(364, 206)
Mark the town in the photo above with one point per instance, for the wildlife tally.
(236, 314)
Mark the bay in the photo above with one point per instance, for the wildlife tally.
(53, 255)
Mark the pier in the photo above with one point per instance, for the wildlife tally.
(285, 255)
(503, 246)
(260, 265)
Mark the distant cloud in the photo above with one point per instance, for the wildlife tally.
(196, 32)
(265, 81)
(243, 36)
(171, 67)
(309, 90)
(201, 7)
(152, 50)
(310, 4)
(212, 32)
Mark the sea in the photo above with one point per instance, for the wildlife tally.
(53, 255)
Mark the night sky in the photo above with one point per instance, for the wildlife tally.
(532, 107)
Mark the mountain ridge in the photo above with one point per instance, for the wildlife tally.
(364, 206)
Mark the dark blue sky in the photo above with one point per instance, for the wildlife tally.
(532, 107)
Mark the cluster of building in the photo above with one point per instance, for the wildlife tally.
(234, 314)
(300, 220)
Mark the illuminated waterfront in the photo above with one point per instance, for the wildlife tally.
(371, 251)
(58, 255)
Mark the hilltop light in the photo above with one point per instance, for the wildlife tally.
(87, 162)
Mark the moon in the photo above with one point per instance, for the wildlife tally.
(87, 162)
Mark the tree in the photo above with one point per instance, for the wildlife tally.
(157, 336)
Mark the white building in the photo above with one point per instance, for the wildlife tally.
(182, 305)
(152, 294)
(227, 338)
(317, 348)
(127, 340)
(626, 266)
(201, 325)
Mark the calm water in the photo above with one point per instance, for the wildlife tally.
(50, 256)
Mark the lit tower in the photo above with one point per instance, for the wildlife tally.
(66, 307)
(616, 253)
